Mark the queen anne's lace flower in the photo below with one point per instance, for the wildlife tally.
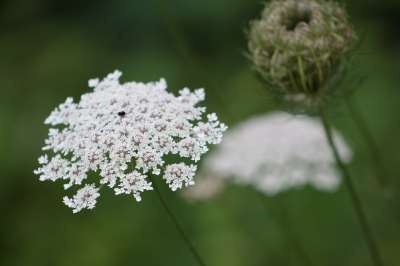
(178, 175)
(134, 183)
(85, 198)
(123, 132)
(274, 153)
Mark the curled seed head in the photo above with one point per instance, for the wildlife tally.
(299, 47)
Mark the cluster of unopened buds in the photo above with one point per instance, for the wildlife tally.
(300, 49)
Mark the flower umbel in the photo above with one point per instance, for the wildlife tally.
(122, 132)
(85, 198)
(299, 48)
(274, 153)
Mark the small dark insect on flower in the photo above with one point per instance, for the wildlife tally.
(122, 113)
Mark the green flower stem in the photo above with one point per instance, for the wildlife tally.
(291, 234)
(355, 199)
(187, 53)
(287, 230)
(381, 173)
(302, 74)
(178, 226)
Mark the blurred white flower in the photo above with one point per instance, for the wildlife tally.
(273, 153)
(207, 187)
(122, 132)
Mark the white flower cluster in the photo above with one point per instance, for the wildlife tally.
(274, 153)
(85, 198)
(122, 132)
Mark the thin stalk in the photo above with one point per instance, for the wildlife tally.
(188, 54)
(302, 74)
(355, 199)
(179, 227)
(186, 51)
(175, 32)
(291, 234)
(370, 142)
(288, 231)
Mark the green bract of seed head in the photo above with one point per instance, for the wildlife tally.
(299, 48)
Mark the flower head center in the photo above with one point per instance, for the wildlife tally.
(300, 16)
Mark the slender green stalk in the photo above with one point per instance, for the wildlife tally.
(187, 53)
(291, 234)
(179, 227)
(287, 230)
(176, 34)
(355, 199)
(381, 173)
(189, 56)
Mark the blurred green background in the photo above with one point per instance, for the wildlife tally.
(48, 51)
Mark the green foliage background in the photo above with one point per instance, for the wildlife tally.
(48, 51)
